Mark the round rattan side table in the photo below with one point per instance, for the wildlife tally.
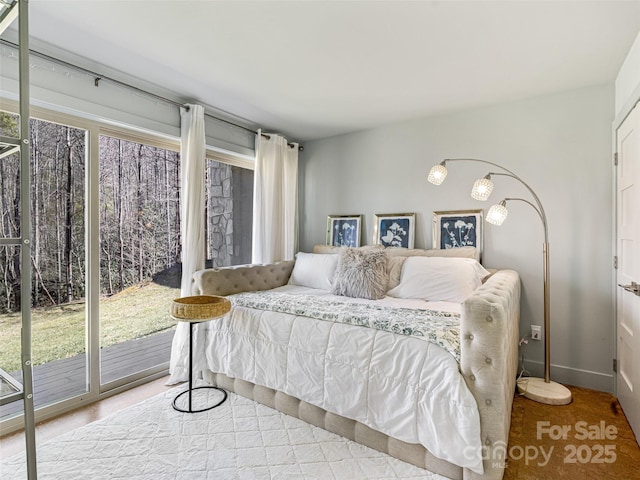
(197, 309)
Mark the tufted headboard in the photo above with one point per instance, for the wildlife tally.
(241, 278)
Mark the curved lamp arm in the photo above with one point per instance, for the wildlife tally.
(540, 212)
(505, 169)
(509, 173)
(479, 161)
(440, 170)
(539, 208)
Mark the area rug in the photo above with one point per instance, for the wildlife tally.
(240, 439)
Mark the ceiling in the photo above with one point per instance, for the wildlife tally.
(314, 69)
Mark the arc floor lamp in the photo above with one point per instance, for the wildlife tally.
(542, 390)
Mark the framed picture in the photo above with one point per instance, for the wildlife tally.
(458, 228)
(394, 230)
(344, 230)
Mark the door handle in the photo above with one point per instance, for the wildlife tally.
(633, 288)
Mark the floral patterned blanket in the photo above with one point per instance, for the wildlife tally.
(440, 328)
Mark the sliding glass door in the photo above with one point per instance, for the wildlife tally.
(106, 254)
(139, 255)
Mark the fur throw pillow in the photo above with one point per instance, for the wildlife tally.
(361, 273)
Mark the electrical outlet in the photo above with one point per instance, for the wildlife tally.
(536, 332)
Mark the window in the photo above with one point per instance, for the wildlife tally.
(228, 213)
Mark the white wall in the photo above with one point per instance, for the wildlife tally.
(559, 144)
(628, 80)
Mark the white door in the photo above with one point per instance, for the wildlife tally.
(628, 273)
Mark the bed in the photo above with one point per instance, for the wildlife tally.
(428, 381)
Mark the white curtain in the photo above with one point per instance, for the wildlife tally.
(275, 199)
(192, 169)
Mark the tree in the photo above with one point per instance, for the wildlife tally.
(10, 211)
(139, 209)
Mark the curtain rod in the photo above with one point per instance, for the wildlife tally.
(98, 77)
(290, 145)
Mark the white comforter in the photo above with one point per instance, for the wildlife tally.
(402, 386)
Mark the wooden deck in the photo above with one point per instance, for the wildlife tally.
(60, 379)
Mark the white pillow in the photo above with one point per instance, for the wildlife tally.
(314, 270)
(439, 279)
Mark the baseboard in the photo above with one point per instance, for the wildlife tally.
(573, 376)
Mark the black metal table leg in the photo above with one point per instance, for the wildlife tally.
(191, 389)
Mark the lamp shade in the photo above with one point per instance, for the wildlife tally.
(437, 174)
(482, 188)
(497, 214)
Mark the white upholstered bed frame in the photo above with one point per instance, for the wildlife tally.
(489, 327)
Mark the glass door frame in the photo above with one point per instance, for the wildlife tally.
(24, 241)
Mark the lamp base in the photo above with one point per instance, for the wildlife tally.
(537, 389)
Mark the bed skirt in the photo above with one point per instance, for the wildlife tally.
(414, 454)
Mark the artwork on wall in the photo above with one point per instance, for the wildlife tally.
(394, 229)
(458, 228)
(344, 230)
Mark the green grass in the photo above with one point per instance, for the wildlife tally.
(59, 332)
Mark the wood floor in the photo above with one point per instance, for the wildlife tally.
(534, 428)
(609, 451)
